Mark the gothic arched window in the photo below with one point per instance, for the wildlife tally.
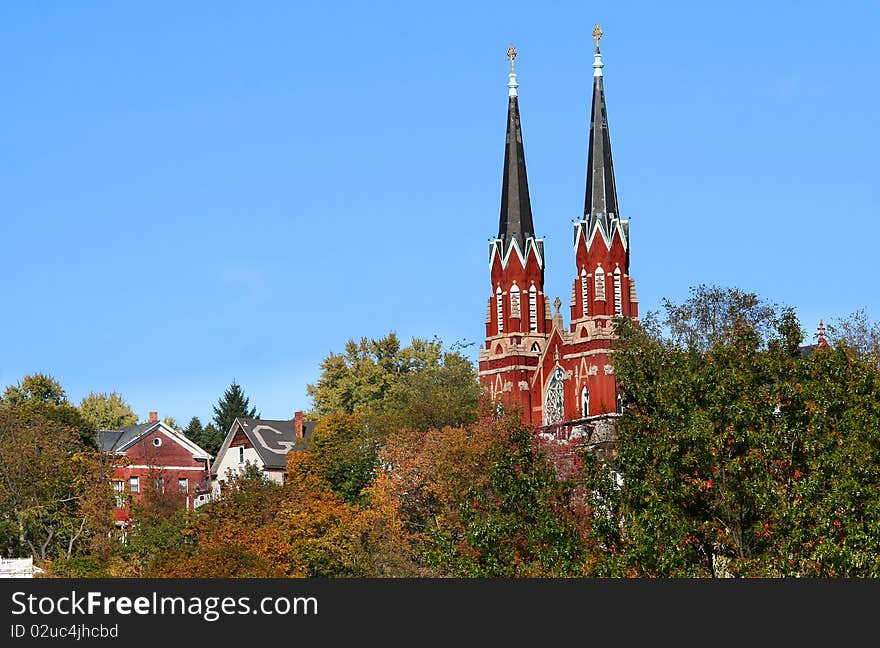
(585, 401)
(554, 400)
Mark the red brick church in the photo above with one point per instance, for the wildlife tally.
(562, 376)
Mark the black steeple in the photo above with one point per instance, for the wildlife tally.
(516, 209)
(601, 199)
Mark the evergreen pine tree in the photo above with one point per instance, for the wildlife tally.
(194, 431)
(211, 439)
(234, 404)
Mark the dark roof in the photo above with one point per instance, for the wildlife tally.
(807, 350)
(516, 209)
(112, 440)
(272, 440)
(601, 197)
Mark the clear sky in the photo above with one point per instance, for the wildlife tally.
(196, 192)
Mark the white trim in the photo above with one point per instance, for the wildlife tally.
(172, 434)
(581, 226)
(531, 244)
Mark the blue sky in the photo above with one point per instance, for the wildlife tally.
(193, 193)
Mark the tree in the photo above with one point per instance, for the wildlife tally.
(54, 491)
(107, 411)
(234, 404)
(420, 385)
(170, 421)
(42, 396)
(212, 439)
(194, 430)
(712, 314)
(857, 334)
(38, 387)
(737, 457)
(345, 453)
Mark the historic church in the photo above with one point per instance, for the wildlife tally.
(561, 376)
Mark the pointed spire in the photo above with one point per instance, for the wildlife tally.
(822, 343)
(600, 204)
(516, 210)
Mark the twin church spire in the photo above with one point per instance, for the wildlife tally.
(600, 204)
(531, 360)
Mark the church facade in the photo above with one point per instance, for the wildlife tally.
(561, 376)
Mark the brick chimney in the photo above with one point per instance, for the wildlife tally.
(154, 416)
(298, 424)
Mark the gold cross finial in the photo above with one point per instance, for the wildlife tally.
(597, 34)
(511, 54)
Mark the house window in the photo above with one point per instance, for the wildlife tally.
(618, 293)
(533, 309)
(600, 284)
(585, 401)
(585, 296)
(134, 484)
(157, 442)
(499, 307)
(241, 454)
(159, 484)
(119, 487)
(183, 485)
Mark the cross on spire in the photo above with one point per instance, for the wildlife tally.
(597, 35)
(511, 54)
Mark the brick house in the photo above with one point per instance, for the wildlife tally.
(159, 456)
(262, 442)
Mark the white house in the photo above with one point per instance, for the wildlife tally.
(262, 442)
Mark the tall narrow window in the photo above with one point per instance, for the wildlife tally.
(514, 302)
(585, 401)
(533, 308)
(499, 307)
(554, 398)
(600, 284)
(585, 294)
(134, 484)
(241, 454)
(618, 293)
(182, 484)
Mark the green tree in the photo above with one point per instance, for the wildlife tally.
(107, 411)
(346, 453)
(40, 388)
(194, 430)
(212, 439)
(54, 490)
(42, 396)
(234, 404)
(737, 457)
(420, 385)
(859, 335)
